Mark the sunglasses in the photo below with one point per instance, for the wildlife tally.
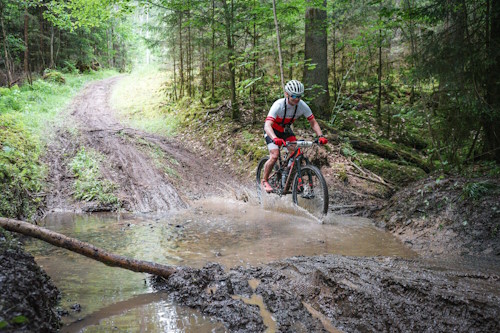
(295, 96)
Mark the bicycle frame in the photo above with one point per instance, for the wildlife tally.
(297, 157)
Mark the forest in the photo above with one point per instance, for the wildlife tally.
(135, 126)
(425, 73)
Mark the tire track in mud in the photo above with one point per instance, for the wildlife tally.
(144, 185)
(341, 294)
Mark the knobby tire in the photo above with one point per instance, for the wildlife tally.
(313, 196)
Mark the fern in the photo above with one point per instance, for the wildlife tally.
(476, 190)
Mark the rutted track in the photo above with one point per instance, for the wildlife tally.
(144, 185)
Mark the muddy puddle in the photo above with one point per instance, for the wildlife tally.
(99, 298)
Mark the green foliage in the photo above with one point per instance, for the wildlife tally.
(89, 185)
(10, 99)
(54, 76)
(69, 67)
(476, 190)
(74, 14)
(347, 150)
(19, 319)
(79, 31)
(247, 136)
(21, 174)
(398, 174)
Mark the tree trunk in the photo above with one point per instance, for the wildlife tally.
(41, 37)
(379, 78)
(386, 151)
(5, 49)
(334, 62)
(181, 58)
(26, 47)
(228, 20)
(376, 148)
(413, 47)
(52, 63)
(86, 249)
(110, 47)
(189, 53)
(278, 39)
(58, 46)
(316, 53)
(203, 67)
(491, 120)
(213, 52)
(255, 59)
(175, 77)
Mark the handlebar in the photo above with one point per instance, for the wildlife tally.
(302, 143)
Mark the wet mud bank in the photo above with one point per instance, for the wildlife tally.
(350, 294)
(27, 296)
(456, 215)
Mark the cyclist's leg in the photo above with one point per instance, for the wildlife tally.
(268, 167)
(273, 157)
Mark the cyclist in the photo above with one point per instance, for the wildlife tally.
(277, 125)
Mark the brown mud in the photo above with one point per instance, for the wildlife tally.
(300, 294)
(348, 294)
(451, 216)
(27, 295)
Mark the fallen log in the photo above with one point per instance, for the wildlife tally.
(376, 148)
(386, 151)
(86, 249)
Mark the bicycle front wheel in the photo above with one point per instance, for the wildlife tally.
(309, 190)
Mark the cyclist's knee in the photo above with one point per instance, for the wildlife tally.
(273, 155)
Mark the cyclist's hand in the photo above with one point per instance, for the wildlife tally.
(279, 142)
(322, 140)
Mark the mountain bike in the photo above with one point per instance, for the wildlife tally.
(308, 186)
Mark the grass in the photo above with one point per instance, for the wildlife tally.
(90, 185)
(140, 100)
(41, 104)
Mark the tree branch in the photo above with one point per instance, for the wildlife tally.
(86, 249)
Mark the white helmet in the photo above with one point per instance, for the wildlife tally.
(294, 87)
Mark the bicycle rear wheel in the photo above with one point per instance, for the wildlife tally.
(310, 191)
(274, 178)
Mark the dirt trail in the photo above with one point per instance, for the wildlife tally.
(137, 162)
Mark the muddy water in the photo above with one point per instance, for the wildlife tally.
(229, 232)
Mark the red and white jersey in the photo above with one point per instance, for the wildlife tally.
(277, 113)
